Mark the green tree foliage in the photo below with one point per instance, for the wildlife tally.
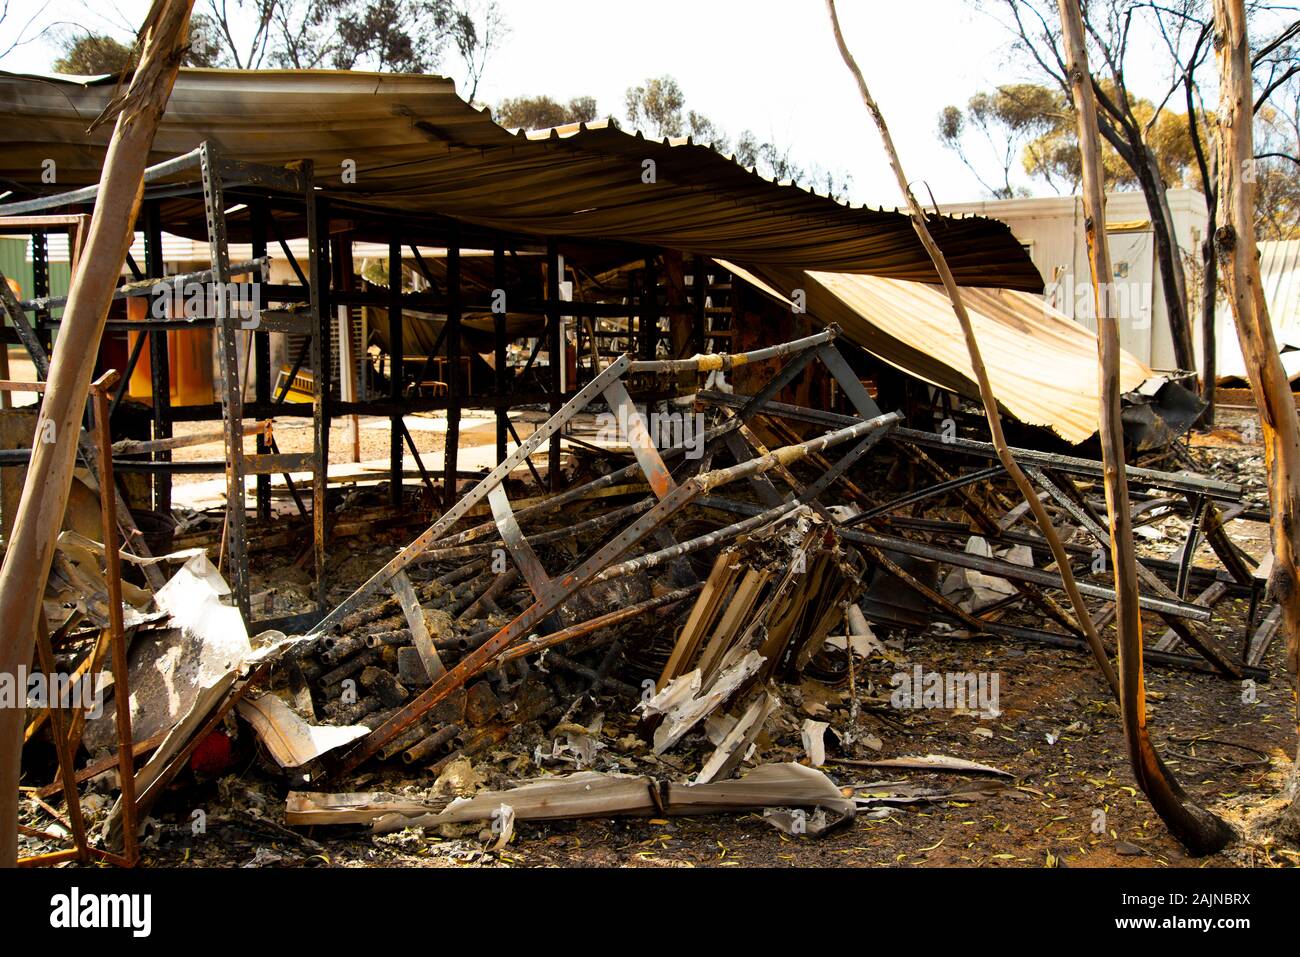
(543, 112)
(1002, 123)
(658, 108)
(1054, 153)
(92, 55)
(1030, 128)
(409, 36)
(655, 107)
(1277, 172)
(205, 43)
(1277, 136)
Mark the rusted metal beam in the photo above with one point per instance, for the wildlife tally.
(1013, 572)
(565, 585)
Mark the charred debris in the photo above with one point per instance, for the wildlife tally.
(717, 505)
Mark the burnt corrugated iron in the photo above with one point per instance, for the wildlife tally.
(419, 148)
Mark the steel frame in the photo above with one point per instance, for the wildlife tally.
(1057, 477)
(669, 493)
(221, 180)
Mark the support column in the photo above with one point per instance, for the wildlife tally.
(555, 349)
(700, 285)
(261, 362)
(41, 286)
(159, 363)
(396, 371)
(319, 259)
(455, 389)
(501, 384)
(649, 344)
(228, 354)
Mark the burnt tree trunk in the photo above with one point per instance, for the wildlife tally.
(1200, 831)
(1239, 256)
(1123, 133)
(1209, 302)
(1172, 276)
(49, 475)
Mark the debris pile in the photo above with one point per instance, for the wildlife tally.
(676, 636)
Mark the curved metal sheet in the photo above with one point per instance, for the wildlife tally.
(419, 148)
(1042, 364)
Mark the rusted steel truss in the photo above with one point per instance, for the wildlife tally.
(887, 531)
(670, 490)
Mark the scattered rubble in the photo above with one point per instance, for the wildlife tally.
(699, 655)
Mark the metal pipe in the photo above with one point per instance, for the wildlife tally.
(88, 194)
(541, 642)
(729, 361)
(428, 746)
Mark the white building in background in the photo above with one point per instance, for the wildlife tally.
(1279, 271)
(1052, 231)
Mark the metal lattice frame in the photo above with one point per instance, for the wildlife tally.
(878, 529)
(669, 494)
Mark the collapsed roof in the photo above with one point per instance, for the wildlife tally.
(1042, 364)
(419, 148)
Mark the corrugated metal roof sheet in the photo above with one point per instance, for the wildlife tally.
(419, 148)
(1042, 364)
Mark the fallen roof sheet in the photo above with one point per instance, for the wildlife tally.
(1042, 364)
(419, 148)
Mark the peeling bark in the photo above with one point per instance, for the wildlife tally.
(1234, 241)
(1198, 829)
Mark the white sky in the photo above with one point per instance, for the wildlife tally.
(767, 65)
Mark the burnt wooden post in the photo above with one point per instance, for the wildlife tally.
(396, 371)
(499, 345)
(159, 374)
(451, 447)
(117, 633)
